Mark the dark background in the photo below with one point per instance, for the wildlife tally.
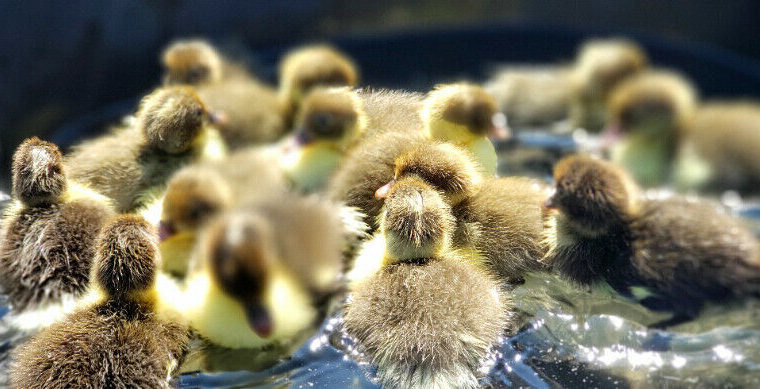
(69, 67)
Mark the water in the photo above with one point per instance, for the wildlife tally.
(571, 338)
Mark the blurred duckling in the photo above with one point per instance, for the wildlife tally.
(464, 114)
(500, 218)
(198, 192)
(169, 131)
(48, 235)
(531, 96)
(649, 115)
(264, 272)
(123, 339)
(426, 316)
(600, 65)
(391, 110)
(247, 111)
(329, 123)
(672, 254)
(309, 66)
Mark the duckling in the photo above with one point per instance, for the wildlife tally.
(329, 123)
(600, 65)
(391, 110)
(531, 96)
(501, 218)
(306, 67)
(48, 235)
(719, 149)
(683, 252)
(247, 111)
(264, 271)
(123, 339)
(466, 115)
(649, 114)
(169, 131)
(198, 192)
(427, 316)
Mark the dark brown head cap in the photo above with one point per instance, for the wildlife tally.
(592, 193)
(463, 104)
(38, 176)
(192, 62)
(193, 196)
(445, 166)
(172, 118)
(661, 95)
(307, 67)
(602, 63)
(126, 257)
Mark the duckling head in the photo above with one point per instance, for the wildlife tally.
(461, 113)
(191, 62)
(241, 254)
(655, 103)
(304, 68)
(126, 257)
(333, 116)
(417, 222)
(593, 195)
(193, 196)
(447, 167)
(38, 176)
(602, 63)
(172, 118)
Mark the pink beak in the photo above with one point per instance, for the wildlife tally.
(499, 130)
(383, 191)
(611, 134)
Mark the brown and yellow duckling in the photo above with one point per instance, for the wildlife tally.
(247, 110)
(48, 235)
(123, 339)
(649, 116)
(170, 130)
(466, 115)
(671, 255)
(500, 218)
(426, 316)
(329, 123)
(264, 272)
(600, 65)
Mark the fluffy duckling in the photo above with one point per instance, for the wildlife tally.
(123, 339)
(391, 110)
(247, 110)
(201, 191)
(600, 65)
(264, 272)
(500, 218)
(531, 95)
(426, 317)
(719, 151)
(48, 235)
(330, 122)
(466, 115)
(169, 131)
(649, 114)
(306, 67)
(682, 252)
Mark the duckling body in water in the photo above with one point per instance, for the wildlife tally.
(424, 315)
(122, 340)
(684, 252)
(48, 235)
(170, 130)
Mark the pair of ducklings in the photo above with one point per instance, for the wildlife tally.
(661, 133)
(535, 96)
(251, 111)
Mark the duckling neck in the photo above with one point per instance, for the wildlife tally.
(310, 167)
(589, 259)
(647, 154)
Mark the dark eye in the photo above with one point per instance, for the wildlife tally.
(199, 210)
(324, 124)
(196, 74)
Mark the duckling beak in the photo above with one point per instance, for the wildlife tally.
(165, 230)
(611, 134)
(383, 191)
(218, 118)
(550, 203)
(302, 138)
(499, 129)
(258, 319)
